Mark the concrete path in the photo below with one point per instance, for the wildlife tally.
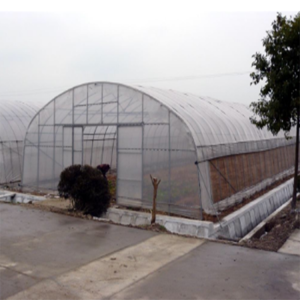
(36, 245)
(292, 245)
(51, 256)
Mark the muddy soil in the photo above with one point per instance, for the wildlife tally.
(277, 230)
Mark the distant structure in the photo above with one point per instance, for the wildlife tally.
(14, 119)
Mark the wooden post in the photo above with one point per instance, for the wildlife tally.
(155, 183)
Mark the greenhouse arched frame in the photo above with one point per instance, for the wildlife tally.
(14, 119)
(206, 152)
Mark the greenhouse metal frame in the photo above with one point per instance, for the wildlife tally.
(195, 145)
(14, 119)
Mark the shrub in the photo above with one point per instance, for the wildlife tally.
(87, 189)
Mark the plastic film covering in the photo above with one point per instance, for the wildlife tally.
(140, 132)
(78, 127)
(14, 119)
(218, 128)
(133, 132)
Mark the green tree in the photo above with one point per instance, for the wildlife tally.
(278, 69)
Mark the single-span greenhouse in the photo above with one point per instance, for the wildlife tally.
(14, 119)
(206, 152)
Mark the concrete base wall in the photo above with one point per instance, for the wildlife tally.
(238, 224)
(234, 226)
(8, 196)
(175, 225)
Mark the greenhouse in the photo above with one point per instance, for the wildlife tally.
(206, 152)
(14, 119)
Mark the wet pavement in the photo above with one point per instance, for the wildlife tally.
(35, 245)
(44, 255)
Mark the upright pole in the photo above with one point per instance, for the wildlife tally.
(296, 160)
(155, 183)
(199, 184)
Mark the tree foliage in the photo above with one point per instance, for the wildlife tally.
(279, 70)
(87, 189)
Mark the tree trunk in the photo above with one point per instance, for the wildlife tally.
(296, 161)
(155, 183)
(153, 219)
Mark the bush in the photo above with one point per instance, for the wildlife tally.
(87, 189)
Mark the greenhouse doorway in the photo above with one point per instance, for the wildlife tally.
(130, 164)
(99, 145)
(72, 146)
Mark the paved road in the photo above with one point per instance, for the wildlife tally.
(50, 256)
(35, 245)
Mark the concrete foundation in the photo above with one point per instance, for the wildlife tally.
(238, 224)
(175, 225)
(234, 227)
(8, 196)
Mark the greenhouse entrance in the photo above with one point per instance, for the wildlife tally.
(130, 164)
(72, 146)
(119, 146)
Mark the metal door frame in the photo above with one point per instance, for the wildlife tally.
(141, 125)
(72, 143)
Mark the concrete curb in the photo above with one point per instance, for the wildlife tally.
(13, 197)
(263, 223)
(195, 228)
(236, 225)
(232, 227)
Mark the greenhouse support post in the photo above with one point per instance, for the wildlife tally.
(87, 104)
(143, 132)
(169, 171)
(73, 127)
(38, 158)
(294, 204)
(54, 145)
(198, 172)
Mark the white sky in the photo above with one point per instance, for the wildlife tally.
(46, 48)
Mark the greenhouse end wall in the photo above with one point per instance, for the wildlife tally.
(100, 123)
(197, 146)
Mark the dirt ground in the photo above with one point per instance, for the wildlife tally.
(60, 205)
(277, 230)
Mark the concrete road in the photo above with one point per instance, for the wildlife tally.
(219, 271)
(36, 245)
(50, 256)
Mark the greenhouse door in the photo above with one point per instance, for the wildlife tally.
(72, 146)
(129, 165)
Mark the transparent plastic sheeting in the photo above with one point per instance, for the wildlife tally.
(14, 119)
(218, 128)
(139, 131)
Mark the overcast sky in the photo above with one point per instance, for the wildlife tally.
(163, 44)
